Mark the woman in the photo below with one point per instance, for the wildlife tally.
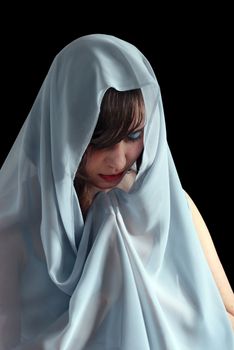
(100, 246)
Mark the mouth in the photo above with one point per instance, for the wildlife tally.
(112, 178)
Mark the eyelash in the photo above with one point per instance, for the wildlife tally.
(134, 139)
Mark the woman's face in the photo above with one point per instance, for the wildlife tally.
(105, 168)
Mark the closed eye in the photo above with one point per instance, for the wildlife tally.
(135, 135)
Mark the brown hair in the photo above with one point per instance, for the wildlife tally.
(121, 112)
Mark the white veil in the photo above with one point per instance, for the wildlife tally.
(134, 275)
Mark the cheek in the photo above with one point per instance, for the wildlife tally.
(94, 158)
(136, 151)
(140, 147)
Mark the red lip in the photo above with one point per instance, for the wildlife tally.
(111, 178)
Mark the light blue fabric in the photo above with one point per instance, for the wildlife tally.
(134, 274)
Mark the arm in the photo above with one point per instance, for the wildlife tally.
(213, 260)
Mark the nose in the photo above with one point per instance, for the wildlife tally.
(116, 157)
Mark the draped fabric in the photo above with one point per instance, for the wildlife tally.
(133, 275)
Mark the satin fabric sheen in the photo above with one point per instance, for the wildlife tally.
(133, 276)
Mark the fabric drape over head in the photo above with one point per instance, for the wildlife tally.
(133, 275)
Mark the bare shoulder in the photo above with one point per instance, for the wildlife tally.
(212, 257)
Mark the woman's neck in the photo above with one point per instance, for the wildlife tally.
(125, 184)
(87, 192)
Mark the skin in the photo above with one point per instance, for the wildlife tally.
(119, 159)
(213, 260)
(106, 168)
(111, 161)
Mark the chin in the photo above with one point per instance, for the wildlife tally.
(105, 188)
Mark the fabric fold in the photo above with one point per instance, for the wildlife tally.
(133, 274)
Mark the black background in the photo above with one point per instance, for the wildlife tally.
(190, 51)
